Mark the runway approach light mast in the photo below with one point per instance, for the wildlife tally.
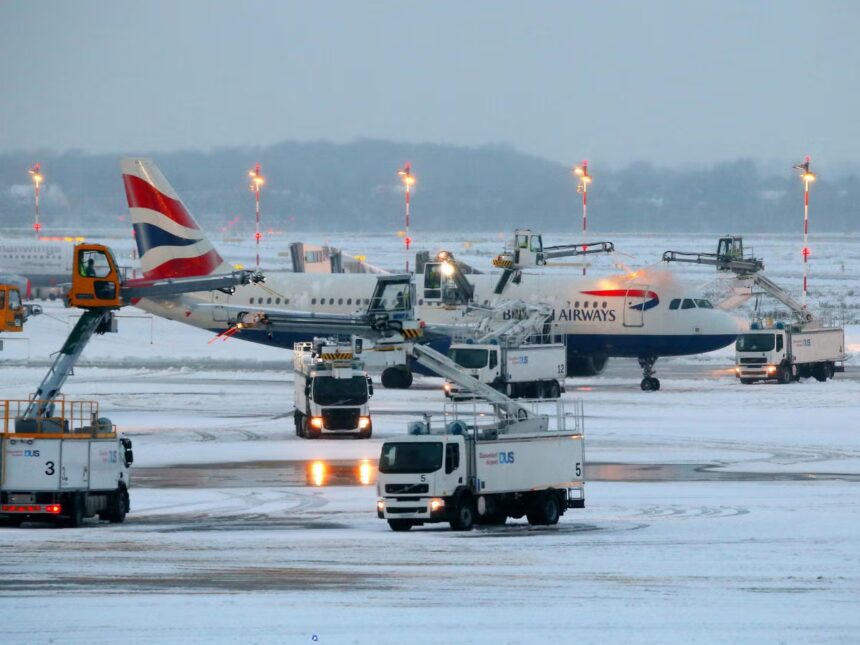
(581, 172)
(36, 176)
(257, 181)
(408, 181)
(807, 177)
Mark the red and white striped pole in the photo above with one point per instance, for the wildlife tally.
(406, 174)
(584, 180)
(808, 177)
(257, 180)
(36, 175)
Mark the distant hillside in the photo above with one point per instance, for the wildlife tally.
(354, 186)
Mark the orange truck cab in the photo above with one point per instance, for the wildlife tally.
(95, 278)
(11, 309)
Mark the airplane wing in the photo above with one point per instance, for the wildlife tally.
(276, 319)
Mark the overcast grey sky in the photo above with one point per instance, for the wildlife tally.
(670, 82)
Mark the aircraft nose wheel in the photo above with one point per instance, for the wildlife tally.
(650, 383)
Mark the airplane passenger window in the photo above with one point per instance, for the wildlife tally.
(594, 304)
(349, 301)
(576, 305)
(286, 301)
(585, 305)
(331, 301)
(675, 303)
(340, 301)
(420, 301)
(704, 304)
(604, 304)
(277, 301)
(688, 304)
(313, 301)
(268, 301)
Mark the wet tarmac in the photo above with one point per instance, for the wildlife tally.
(353, 473)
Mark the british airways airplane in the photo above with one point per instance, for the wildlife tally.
(642, 315)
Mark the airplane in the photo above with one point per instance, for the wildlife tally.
(35, 265)
(644, 315)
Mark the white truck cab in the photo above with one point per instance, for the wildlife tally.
(332, 390)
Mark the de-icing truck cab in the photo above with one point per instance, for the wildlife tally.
(468, 471)
(332, 390)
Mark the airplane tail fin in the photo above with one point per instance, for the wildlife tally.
(169, 241)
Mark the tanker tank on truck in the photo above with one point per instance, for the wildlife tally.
(332, 390)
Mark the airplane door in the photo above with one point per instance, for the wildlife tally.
(220, 315)
(634, 305)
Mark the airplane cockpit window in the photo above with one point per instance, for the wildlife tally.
(14, 301)
(522, 241)
(675, 303)
(93, 264)
(688, 304)
(704, 304)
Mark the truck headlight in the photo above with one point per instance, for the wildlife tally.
(317, 422)
(363, 423)
(447, 387)
(737, 371)
(380, 506)
(771, 369)
(437, 504)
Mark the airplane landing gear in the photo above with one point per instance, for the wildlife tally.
(649, 381)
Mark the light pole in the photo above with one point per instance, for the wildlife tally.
(36, 176)
(807, 177)
(584, 179)
(257, 181)
(408, 180)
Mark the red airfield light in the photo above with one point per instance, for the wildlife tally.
(408, 181)
(807, 176)
(257, 181)
(581, 172)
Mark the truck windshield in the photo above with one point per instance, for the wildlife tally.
(754, 343)
(340, 391)
(471, 359)
(409, 457)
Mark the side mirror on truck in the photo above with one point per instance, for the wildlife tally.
(369, 386)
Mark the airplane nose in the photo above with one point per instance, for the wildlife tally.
(726, 323)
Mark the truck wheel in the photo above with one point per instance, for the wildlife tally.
(545, 509)
(783, 375)
(464, 515)
(821, 372)
(493, 519)
(119, 506)
(396, 378)
(553, 390)
(400, 525)
(297, 419)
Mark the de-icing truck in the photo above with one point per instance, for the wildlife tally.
(332, 390)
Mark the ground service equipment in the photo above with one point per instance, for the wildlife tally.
(789, 352)
(780, 351)
(332, 390)
(61, 459)
(62, 468)
(469, 471)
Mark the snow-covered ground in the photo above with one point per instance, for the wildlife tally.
(740, 522)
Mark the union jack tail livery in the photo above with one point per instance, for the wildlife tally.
(169, 241)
